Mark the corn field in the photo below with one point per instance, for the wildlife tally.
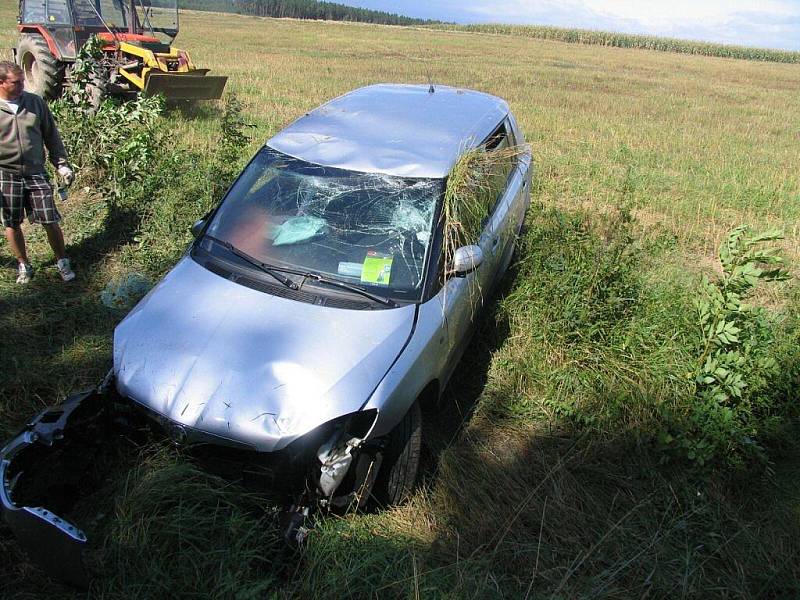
(628, 40)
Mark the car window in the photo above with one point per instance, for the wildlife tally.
(112, 11)
(512, 138)
(491, 183)
(34, 11)
(501, 142)
(370, 229)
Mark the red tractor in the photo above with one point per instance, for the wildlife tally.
(136, 35)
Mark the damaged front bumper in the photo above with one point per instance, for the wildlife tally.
(51, 541)
(54, 461)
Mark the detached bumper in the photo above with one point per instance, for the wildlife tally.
(50, 540)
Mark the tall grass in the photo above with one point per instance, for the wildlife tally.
(472, 189)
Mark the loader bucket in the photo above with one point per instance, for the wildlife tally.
(184, 86)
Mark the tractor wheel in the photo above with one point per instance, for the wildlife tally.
(96, 91)
(44, 74)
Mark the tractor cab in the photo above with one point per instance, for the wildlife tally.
(138, 34)
(70, 23)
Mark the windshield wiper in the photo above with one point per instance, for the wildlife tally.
(319, 278)
(276, 273)
(348, 286)
(255, 262)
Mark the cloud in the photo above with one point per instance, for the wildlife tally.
(767, 23)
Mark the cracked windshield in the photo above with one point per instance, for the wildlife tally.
(363, 228)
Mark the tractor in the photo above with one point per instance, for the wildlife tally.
(136, 37)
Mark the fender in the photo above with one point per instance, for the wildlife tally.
(45, 34)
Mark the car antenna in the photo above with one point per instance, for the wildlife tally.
(431, 89)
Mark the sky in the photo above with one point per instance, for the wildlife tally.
(763, 23)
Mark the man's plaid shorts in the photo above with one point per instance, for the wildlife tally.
(26, 194)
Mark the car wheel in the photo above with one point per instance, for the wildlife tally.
(400, 464)
(44, 74)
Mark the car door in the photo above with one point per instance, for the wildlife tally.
(463, 297)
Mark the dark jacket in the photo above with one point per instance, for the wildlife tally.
(24, 136)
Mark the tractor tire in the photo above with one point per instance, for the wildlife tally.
(401, 458)
(44, 74)
(96, 90)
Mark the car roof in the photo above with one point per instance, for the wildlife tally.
(403, 130)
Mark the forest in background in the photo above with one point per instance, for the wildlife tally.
(303, 9)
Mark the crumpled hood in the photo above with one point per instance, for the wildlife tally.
(231, 361)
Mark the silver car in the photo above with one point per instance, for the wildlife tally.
(318, 307)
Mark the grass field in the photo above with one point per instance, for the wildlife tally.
(542, 479)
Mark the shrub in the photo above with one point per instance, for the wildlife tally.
(112, 144)
(230, 143)
(188, 184)
(736, 369)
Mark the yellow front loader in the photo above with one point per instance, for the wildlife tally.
(169, 72)
(136, 37)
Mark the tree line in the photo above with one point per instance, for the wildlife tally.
(303, 9)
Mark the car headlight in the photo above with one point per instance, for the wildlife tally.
(336, 454)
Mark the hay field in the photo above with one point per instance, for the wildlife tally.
(527, 496)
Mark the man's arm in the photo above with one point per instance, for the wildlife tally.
(52, 139)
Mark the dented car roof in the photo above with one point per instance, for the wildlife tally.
(402, 130)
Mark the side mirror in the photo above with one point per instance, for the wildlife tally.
(197, 227)
(466, 259)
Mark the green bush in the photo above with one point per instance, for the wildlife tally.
(123, 155)
(734, 379)
(595, 345)
(114, 145)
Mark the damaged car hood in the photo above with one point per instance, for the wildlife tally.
(213, 357)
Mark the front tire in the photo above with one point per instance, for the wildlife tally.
(44, 74)
(401, 456)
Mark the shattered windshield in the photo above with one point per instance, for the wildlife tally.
(367, 229)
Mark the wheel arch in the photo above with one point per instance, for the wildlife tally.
(392, 412)
(430, 394)
(42, 31)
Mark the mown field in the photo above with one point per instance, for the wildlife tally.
(556, 466)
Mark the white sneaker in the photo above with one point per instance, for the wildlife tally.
(67, 274)
(24, 273)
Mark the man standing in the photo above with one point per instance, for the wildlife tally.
(26, 128)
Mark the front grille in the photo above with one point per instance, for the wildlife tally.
(281, 472)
